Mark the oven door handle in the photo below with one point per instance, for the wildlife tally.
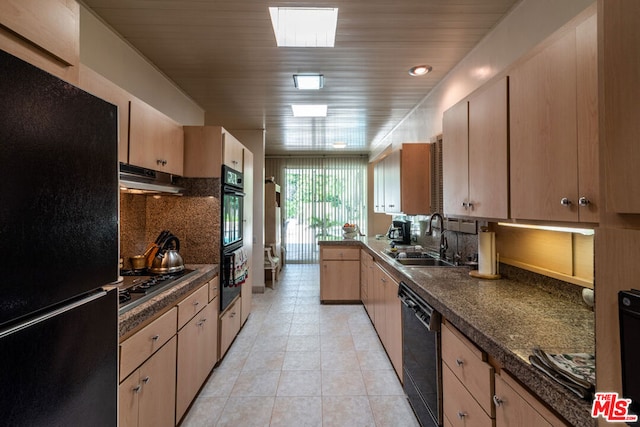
(234, 193)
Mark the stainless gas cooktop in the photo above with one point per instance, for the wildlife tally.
(139, 287)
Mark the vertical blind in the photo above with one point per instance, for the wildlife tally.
(319, 195)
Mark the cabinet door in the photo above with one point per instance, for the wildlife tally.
(392, 199)
(455, 159)
(587, 116)
(393, 320)
(340, 281)
(157, 398)
(155, 141)
(415, 179)
(202, 151)
(196, 355)
(229, 326)
(128, 400)
(232, 152)
(365, 263)
(512, 409)
(380, 282)
(378, 187)
(247, 221)
(98, 85)
(544, 167)
(488, 161)
(53, 26)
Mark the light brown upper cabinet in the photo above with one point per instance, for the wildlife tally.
(621, 128)
(402, 181)
(155, 141)
(103, 88)
(553, 125)
(207, 148)
(474, 154)
(43, 33)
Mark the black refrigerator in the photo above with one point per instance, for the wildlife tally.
(58, 247)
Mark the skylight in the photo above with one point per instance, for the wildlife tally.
(309, 110)
(308, 81)
(304, 26)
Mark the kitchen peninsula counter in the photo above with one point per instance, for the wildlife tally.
(506, 318)
(133, 319)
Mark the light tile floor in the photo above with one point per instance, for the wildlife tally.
(299, 363)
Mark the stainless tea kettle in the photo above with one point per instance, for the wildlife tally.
(168, 260)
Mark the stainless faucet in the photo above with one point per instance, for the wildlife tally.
(435, 215)
(444, 245)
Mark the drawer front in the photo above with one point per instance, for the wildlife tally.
(466, 362)
(192, 304)
(214, 288)
(139, 347)
(340, 253)
(459, 407)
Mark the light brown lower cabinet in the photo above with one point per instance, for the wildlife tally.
(339, 273)
(229, 326)
(147, 396)
(197, 354)
(387, 315)
(515, 406)
(459, 406)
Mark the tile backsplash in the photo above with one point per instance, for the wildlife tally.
(194, 218)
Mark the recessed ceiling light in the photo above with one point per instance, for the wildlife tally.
(309, 110)
(304, 26)
(308, 81)
(339, 145)
(420, 70)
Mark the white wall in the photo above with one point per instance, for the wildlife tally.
(104, 51)
(529, 23)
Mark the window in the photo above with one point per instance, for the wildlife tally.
(319, 196)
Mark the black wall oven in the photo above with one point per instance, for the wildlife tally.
(231, 237)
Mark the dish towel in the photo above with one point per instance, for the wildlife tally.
(575, 371)
(240, 267)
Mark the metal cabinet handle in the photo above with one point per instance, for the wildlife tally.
(470, 205)
(196, 303)
(459, 362)
(146, 380)
(461, 414)
(155, 338)
(161, 162)
(497, 401)
(583, 201)
(565, 202)
(137, 388)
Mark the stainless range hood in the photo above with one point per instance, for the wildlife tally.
(140, 180)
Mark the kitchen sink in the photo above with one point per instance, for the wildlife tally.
(417, 259)
(424, 262)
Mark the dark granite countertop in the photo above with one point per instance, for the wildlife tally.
(134, 319)
(506, 318)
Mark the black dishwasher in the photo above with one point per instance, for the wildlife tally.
(422, 376)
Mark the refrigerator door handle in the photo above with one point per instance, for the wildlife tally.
(50, 314)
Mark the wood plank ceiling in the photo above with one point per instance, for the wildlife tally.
(223, 54)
